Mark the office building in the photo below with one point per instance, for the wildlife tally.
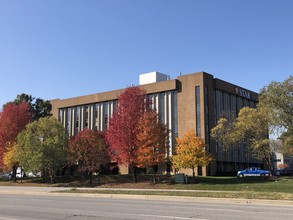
(193, 101)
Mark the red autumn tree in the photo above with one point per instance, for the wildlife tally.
(13, 119)
(123, 127)
(89, 149)
(151, 145)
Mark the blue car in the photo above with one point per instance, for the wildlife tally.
(253, 171)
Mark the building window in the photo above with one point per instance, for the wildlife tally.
(207, 127)
(77, 117)
(162, 107)
(197, 103)
(86, 116)
(105, 115)
(60, 115)
(175, 113)
(68, 121)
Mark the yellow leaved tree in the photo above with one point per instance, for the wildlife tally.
(10, 158)
(191, 153)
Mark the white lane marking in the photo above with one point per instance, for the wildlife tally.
(8, 218)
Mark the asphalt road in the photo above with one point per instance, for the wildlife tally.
(45, 205)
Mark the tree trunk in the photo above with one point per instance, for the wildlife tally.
(21, 174)
(154, 175)
(99, 178)
(90, 177)
(268, 161)
(193, 175)
(134, 175)
(45, 175)
(14, 170)
(52, 174)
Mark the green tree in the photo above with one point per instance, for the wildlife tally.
(277, 99)
(287, 143)
(224, 132)
(251, 129)
(89, 149)
(191, 153)
(39, 108)
(16, 115)
(42, 146)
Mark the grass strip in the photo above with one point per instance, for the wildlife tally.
(234, 195)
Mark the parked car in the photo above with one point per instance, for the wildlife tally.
(284, 172)
(253, 171)
(19, 172)
(289, 172)
(6, 176)
(280, 172)
(31, 175)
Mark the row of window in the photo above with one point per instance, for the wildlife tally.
(93, 116)
(96, 116)
(228, 105)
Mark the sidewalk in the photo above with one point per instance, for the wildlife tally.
(58, 189)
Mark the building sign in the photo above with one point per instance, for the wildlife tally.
(243, 93)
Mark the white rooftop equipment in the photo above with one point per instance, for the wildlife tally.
(152, 77)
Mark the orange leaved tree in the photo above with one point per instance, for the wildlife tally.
(151, 142)
(191, 153)
(89, 149)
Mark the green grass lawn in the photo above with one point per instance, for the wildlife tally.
(255, 184)
(220, 187)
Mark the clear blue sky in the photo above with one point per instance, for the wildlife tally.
(66, 48)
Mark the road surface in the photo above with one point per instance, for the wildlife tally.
(45, 205)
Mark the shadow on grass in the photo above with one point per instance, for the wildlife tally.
(163, 181)
(127, 180)
(231, 180)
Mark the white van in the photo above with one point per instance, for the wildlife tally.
(19, 172)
